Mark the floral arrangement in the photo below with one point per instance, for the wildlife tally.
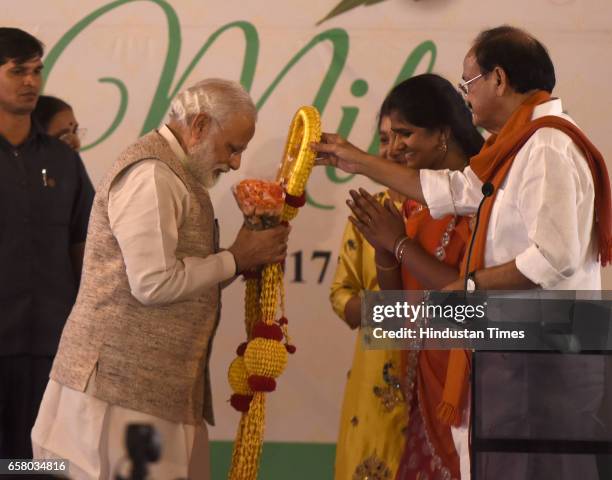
(263, 357)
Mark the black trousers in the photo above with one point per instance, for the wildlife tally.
(23, 380)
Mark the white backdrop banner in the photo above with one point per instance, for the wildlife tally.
(120, 62)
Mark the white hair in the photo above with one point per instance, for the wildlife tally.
(215, 97)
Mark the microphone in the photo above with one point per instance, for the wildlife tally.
(487, 191)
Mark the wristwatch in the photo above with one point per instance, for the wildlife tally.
(471, 282)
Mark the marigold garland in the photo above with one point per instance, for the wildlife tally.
(253, 373)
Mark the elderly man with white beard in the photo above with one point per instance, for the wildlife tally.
(136, 346)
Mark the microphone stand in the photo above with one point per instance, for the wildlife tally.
(487, 191)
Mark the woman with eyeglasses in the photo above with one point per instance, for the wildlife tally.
(57, 119)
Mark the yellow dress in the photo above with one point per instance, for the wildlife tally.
(374, 414)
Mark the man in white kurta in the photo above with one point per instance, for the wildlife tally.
(542, 221)
(554, 248)
(148, 207)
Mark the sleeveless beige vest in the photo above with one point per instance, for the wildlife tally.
(153, 359)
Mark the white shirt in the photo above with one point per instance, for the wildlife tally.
(147, 204)
(543, 215)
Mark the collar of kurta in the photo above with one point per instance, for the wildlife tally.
(554, 106)
(173, 142)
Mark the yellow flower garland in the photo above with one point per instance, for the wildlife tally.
(264, 357)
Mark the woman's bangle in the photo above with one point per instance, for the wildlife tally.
(402, 251)
(398, 246)
(382, 268)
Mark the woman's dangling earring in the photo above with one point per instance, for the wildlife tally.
(443, 147)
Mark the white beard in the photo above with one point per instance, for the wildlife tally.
(201, 164)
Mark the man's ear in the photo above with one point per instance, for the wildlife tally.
(200, 126)
(501, 79)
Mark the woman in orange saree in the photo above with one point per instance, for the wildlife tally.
(431, 128)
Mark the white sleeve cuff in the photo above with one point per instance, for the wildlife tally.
(229, 263)
(210, 271)
(536, 268)
(435, 185)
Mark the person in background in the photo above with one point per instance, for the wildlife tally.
(364, 435)
(45, 200)
(57, 119)
(394, 398)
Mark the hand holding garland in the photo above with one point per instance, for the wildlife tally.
(335, 151)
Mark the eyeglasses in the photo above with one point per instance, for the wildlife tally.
(463, 86)
(79, 133)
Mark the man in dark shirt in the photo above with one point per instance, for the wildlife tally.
(45, 199)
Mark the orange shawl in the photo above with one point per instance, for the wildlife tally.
(497, 155)
(492, 165)
(432, 364)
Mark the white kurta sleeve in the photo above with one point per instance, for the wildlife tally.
(549, 196)
(147, 204)
(451, 192)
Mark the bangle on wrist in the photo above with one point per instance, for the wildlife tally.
(383, 268)
(402, 251)
(399, 244)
